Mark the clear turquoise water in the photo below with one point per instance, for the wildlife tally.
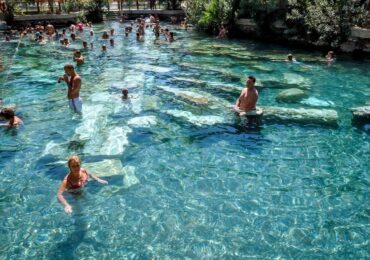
(188, 188)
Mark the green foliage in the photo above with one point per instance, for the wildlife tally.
(209, 15)
(94, 10)
(253, 8)
(326, 22)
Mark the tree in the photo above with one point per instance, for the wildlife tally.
(95, 10)
(9, 11)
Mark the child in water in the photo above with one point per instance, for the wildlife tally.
(75, 180)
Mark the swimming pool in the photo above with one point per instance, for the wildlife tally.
(187, 178)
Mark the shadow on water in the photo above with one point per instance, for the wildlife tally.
(67, 249)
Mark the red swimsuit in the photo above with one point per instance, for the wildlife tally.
(80, 183)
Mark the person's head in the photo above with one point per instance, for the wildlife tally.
(69, 69)
(84, 44)
(61, 42)
(290, 57)
(66, 42)
(330, 55)
(64, 31)
(91, 32)
(77, 54)
(74, 163)
(250, 81)
(124, 92)
(73, 36)
(104, 47)
(7, 113)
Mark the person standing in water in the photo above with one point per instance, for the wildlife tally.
(74, 86)
(75, 180)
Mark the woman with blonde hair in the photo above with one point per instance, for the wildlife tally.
(75, 180)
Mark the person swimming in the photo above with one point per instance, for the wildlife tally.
(74, 181)
(9, 115)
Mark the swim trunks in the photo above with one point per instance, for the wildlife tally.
(75, 104)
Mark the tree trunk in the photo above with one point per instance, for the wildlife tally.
(51, 5)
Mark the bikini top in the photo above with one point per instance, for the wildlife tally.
(80, 183)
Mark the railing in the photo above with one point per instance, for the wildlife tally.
(24, 7)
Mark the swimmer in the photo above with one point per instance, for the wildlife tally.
(111, 41)
(84, 45)
(222, 33)
(330, 56)
(111, 32)
(105, 36)
(9, 115)
(66, 42)
(78, 58)
(75, 180)
(74, 87)
(290, 58)
(157, 30)
(50, 29)
(104, 48)
(170, 37)
(73, 36)
(248, 98)
(125, 94)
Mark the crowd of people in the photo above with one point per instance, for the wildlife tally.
(78, 176)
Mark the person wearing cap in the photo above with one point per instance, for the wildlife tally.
(9, 115)
(290, 58)
(74, 86)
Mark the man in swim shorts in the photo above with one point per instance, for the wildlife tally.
(74, 86)
(248, 97)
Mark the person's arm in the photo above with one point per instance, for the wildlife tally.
(97, 179)
(64, 78)
(237, 104)
(61, 199)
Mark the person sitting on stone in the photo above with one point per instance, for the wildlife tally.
(248, 98)
(9, 115)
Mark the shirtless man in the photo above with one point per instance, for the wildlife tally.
(78, 58)
(248, 98)
(74, 86)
